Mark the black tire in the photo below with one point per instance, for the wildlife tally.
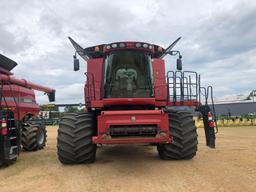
(74, 141)
(33, 137)
(183, 130)
(7, 163)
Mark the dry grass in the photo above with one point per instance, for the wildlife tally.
(229, 167)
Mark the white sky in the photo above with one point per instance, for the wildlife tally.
(218, 38)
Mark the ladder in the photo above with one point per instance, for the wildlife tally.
(10, 142)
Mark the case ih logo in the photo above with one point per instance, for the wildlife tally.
(133, 119)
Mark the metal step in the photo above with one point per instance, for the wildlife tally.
(11, 119)
(12, 138)
(13, 156)
(13, 148)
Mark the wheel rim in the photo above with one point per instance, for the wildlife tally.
(40, 137)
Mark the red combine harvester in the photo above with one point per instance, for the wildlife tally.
(131, 99)
(17, 108)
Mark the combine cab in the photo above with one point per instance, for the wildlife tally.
(130, 98)
(17, 108)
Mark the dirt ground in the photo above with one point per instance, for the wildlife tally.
(229, 167)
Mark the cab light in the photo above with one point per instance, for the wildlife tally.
(160, 49)
(114, 45)
(121, 45)
(96, 49)
(138, 45)
(145, 45)
(4, 127)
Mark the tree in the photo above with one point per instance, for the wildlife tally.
(71, 109)
(49, 107)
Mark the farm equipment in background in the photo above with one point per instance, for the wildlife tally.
(131, 99)
(48, 117)
(17, 108)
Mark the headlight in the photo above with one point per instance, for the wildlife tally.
(145, 45)
(121, 45)
(114, 45)
(138, 45)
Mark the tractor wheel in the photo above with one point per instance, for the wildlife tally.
(74, 141)
(7, 163)
(183, 130)
(33, 137)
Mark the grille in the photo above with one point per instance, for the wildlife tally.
(133, 130)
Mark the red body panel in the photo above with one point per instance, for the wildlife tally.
(123, 101)
(101, 140)
(132, 117)
(19, 96)
(20, 100)
(95, 67)
(132, 120)
(24, 83)
(129, 101)
(159, 79)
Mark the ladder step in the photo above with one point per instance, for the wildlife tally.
(12, 150)
(13, 138)
(13, 156)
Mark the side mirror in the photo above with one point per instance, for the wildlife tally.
(179, 63)
(51, 96)
(76, 63)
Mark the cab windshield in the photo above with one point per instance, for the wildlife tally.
(128, 74)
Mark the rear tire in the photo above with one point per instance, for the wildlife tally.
(7, 163)
(183, 130)
(33, 137)
(74, 141)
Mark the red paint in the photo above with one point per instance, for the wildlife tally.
(123, 101)
(15, 100)
(24, 83)
(131, 45)
(4, 127)
(19, 96)
(129, 101)
(100, 140)
(143, 117)
(95, 68)
(107, 119)
(159, 79)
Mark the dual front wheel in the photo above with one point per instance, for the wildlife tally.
(74, 141)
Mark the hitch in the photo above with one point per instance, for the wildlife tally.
(209, 125)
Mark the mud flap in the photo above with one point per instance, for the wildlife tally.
(208, 125)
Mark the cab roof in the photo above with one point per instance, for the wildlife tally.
(99, 51)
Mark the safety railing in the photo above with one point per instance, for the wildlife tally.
(89, 88)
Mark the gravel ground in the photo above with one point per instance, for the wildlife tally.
(229, 167)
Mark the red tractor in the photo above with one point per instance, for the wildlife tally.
(130, 99)
(17, 108)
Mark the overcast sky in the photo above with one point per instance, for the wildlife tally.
(218, 38)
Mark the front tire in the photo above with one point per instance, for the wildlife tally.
(33, 137)
(74, 141)
(183, 130)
